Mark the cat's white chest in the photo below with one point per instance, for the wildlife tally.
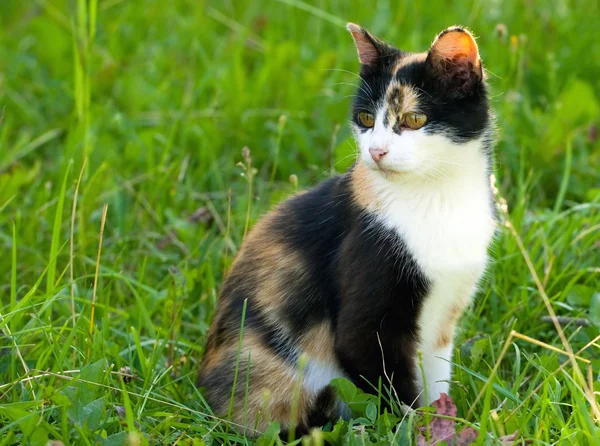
(447, 231)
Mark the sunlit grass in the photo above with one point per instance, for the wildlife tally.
(101, 335)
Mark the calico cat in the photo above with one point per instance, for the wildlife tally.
(356, 276)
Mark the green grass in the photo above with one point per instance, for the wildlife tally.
(160, 98)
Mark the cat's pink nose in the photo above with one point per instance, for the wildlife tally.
(377, 154)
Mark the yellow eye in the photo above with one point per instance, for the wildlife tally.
(415, 120)
(366, 119)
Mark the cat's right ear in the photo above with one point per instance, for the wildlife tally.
(369, 48)
(454, 59)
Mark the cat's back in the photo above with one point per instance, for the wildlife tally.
(288, 255)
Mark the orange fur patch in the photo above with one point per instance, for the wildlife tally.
(213, 357)
(318, 343)
(456, 311)
(444, 338)
(446, 333)
(275, 267)
(273, 389)
(271, 262)
(401, 99)
(362, 187)
(456, 44)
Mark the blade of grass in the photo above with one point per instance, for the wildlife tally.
(564, 183)
(313, 10)
(249, 177)
(280, 128)
(95, 289)
(56, 234)
(13, 270)
(237, 360)
(71, 242)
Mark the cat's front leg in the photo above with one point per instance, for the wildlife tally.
(437, 325)
(434, 362)
(435, 372)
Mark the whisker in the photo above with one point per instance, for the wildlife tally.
(493, 74)
(368, 93)
(368, 99)
(346, 83)
(437, 160)
(341, 70)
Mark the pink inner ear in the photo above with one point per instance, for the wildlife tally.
(458, 46)
(367, 53)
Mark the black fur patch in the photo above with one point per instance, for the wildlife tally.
(325, 408)
(410, 72)
(381, 301)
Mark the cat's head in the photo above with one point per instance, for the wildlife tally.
(420, 114)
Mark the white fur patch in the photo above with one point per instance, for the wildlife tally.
(438, 369)
(318, 374)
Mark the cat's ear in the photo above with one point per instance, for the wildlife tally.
(454, 59)
(370, 49)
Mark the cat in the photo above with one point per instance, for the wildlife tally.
(354, 277)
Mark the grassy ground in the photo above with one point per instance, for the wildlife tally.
(137, 112)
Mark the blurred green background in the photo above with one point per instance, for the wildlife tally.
(161, 97)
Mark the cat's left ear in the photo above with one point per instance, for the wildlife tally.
(454, 59)
(371, 50)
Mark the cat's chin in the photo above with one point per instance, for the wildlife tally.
(389, 173)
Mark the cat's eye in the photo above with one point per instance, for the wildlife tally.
(366, 119)
(415, 120)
